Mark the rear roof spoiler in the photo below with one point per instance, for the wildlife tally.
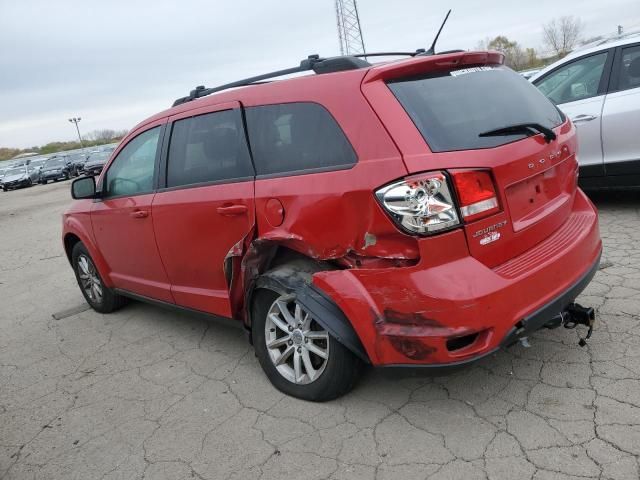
(419, 65)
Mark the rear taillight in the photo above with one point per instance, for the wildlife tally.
(476, 193)
(421, 203)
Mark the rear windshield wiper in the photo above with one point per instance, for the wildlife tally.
(534, 128)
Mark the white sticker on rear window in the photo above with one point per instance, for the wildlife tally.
(457, 73)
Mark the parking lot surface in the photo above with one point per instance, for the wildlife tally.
(146, 393)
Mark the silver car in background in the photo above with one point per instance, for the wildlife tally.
(598, 87)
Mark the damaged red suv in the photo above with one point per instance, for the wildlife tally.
(416, 213)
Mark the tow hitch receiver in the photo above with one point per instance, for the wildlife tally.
(575, 315)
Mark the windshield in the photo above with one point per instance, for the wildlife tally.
(101, 156)
(451, 109)
(55, 162)
(15, 171)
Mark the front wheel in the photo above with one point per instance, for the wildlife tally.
(100, 297)
(298, 355)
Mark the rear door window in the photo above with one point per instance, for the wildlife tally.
(629, 68)
(208, 148)
(296, 137)
(451, 109)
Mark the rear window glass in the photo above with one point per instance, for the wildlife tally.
(292, 137)
(452, 109)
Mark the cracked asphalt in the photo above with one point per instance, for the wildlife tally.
(146, 393)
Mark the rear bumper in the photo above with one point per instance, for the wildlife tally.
(454, 309)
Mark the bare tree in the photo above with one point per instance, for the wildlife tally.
(562, 34)
(105, 135)
(100, 135)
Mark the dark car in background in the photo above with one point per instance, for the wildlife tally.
(3, 171)
(94, 164)
(77, 161)
(55, 168)
(17, 177)
(35, 167)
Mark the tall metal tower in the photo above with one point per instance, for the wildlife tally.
(349, 31)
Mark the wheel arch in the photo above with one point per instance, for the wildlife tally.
(284, 270)
(74, 233)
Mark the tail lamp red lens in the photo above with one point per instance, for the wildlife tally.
(424, 204)
(476, 193)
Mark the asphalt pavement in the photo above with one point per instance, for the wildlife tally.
(147, 393)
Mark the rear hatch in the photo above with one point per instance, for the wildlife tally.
(449, 113)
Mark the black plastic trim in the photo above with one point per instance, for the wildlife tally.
(172, 306)
(212, 183)
(614, 175)
(628, 167)
(329, 315)
(307, 171)
(312, 62)
(540, 317)
(593, 170)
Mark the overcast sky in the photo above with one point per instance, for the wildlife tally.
(115, 62)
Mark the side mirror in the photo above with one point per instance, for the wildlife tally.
(84, 187)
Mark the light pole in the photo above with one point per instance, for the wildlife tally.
(76, 120)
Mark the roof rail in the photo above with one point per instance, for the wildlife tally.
(312, 62)
(609, 39)
(391, 54)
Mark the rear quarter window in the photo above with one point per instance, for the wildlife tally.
(451, 109)
(296, 137)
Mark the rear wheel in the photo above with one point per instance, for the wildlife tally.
(100, 297)
(298, 355)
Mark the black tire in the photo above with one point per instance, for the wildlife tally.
(110, 301)
(338, 377)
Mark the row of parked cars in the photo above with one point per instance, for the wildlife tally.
(26, 172)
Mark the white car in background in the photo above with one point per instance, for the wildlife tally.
(598, 87)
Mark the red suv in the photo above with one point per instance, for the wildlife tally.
(422, 212)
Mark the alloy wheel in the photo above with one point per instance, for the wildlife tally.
(89, 279)
(297, 345)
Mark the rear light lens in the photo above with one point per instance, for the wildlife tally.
(476, 193)
(420, 203)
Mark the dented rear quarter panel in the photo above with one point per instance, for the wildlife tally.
(330, 214)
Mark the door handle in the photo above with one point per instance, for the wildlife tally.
(139, 214)
(583, 118)
(230, 210)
